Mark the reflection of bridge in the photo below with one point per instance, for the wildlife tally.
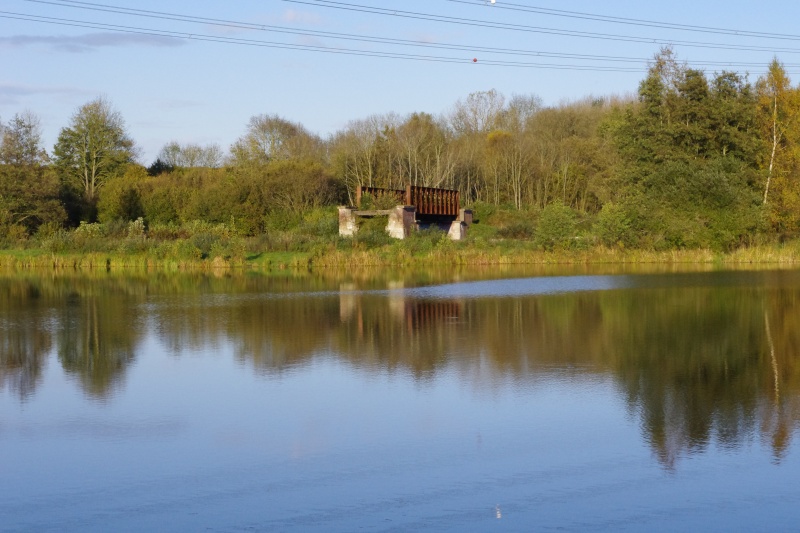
(421, 314)
(413, 314)
(415, 206)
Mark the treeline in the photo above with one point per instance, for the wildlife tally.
(693, 161)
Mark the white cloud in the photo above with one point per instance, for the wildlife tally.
(13, 94)
(301, 17)
(89, 41)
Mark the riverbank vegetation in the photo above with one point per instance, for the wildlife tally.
(694, 167)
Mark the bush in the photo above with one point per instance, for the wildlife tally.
(613, 226)
(379, 202)
(556, 227)
(120, 198)
(517, 230)
(136, 229)
(372, 232)
(14, 234)
(424, 241)
(481, 211)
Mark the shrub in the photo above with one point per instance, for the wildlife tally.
(613, 226)
(372, 232)
(517, 230)
(556, 227)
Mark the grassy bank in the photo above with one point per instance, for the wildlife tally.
(397, 254)
(312, 241)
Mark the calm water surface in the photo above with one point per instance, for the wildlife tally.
(400, 402)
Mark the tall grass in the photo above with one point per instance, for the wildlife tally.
(312, 241)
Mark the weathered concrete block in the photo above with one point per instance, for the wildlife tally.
(347, 221)
(458, 231)
(401, 221)
(465, 215)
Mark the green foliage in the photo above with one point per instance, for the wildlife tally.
(29, 190)
(121, 198)
(159, 204)
(688, 164)
(689, 175)
(21, 142)
(372, 233)
(320, 223)
(29, 197)
(614, 227)
(556, 227)
(92, 150)
(482, 212)
(380, 202)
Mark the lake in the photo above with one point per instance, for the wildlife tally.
(459, 400)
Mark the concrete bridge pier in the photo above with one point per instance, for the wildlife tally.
(348, 226)
(402, 219)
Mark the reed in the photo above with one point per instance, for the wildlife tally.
(425, 250)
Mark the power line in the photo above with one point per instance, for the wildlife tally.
(313, 48)
(344, 36)
(363, 38)
(535, 29)
(334, 35)
(631, 21)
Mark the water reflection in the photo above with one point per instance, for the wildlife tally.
(25, 337)
(700, 359)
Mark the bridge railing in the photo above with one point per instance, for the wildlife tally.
(426, 200)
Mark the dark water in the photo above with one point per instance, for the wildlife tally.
(397, 402)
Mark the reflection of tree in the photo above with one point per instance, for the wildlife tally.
(25, 339)
(276, 333)
(779, 417)
(693, 362)
(699, 365)
(91, 319)
(97, 340)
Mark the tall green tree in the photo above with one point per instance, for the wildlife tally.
(93, 149)
(688, 149)
(28, 188)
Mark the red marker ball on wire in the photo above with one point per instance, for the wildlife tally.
(474, 59)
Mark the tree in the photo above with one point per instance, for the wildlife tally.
(93, 149)
(688, 159)
(471, 120)
(422, 153)
(479, 113)
(122, 198)
(190, 155)
(354, 153)
(778, 104)
(271, 138)
(28, 188)
(21, 142)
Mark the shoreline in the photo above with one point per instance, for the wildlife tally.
(785, 255)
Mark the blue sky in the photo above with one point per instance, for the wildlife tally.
(187, 88)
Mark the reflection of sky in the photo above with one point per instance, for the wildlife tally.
(522, 287)
(199, 440)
